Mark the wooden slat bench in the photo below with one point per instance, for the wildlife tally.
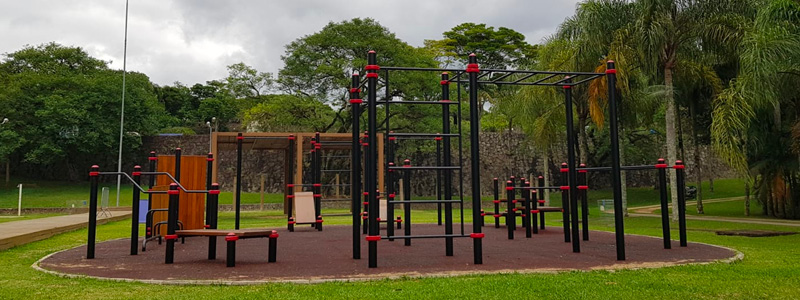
(231, 236)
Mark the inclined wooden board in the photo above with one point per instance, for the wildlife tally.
(304, 207)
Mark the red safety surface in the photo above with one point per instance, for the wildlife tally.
(299, 257)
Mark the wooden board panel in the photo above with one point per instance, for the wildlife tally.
(191, 208)
(304, 207)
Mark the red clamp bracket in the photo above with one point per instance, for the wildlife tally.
(373, 238)
(398, 221)
(564, 170)
(317, 184)
(473, 68)
(289, 196)
(356, 101)
(372, 75)
(496, 216)
(94, 173)
(372, 67)
(206, 226)
(355, 90)
(213, 192)
(475, 235)
(496, 201)
(535, 211)
(611, 71)
(564, 187)
(136, 174)
(541, 201)
(231, 237)
(583, 187)
(171, 237)
(240, 137)
(173, 192)
(661, 166)
(679, 167)
(274, 235)
(509, 188)
(152, 158)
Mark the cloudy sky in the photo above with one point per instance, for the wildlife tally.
(192, 41)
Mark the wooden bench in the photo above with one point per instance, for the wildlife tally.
(231, 236)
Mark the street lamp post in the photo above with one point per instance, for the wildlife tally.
(210, 133)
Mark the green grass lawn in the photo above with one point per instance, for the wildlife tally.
(13, 218)
(641, 196)
(768, 271)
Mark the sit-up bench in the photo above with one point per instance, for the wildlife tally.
(231, 236)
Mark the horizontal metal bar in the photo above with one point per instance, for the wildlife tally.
(423, 201)
(440, 236)
(174, 181)
(419, 102)
(541, 72)
(420, 69)
(627, 168)
(424, 134)
(265, 137)
(585, 79)
(426, 168)
(335, 170)
(538, 188)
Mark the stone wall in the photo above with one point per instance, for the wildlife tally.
(502, 155)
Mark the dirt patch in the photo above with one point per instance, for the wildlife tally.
(754, 233)
(310, 256)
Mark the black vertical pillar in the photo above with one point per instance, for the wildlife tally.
(447, 175)
(178, 152)
(511, 214)
(172, 222)
(289, 201)
(406, 199)
(527, 215)
(212, 218)
(151, 181)
(475, 158)
(372, 157)
(681, 181)
(94, 178)
(571, 165)
(496, 202)
(661, 165)
(583, 192)
(565, 201)
(540, 183)
(616, 174)
(355, 163)
(438, 182)
(137, 179)
(390, 178)
(238, 200)
(209, 171)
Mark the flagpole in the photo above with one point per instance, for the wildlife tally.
(122, 110)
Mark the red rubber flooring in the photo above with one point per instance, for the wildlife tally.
(309, 255)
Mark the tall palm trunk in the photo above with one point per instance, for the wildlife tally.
(697, 164)
(669, 119)
(747, 197)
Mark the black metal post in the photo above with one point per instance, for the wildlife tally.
(178, 152)
(172, 222)
(238, 199)
(391, 197)
(534, 210)
(681, 181)
(540, 181)
(583, 192)
(565, 201)
(571, 165)
(407, 205)
(496, 202)
(273, 247)
(526, 214)
(511, 214)
(616, 174)
(447, 161)
(231, 259)
(151, 181)
(355, 164)
(474, 118)
(213, 202)
(94, 178)
(661, 165)
(372, 160)
(438, 182)
(137, 179)
(290, 184)
(209, 171)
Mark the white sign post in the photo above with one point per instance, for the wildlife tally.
(19, 203)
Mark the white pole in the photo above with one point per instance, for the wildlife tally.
(122, 110)
(19, 204)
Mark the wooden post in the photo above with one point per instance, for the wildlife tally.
(263, 179)
(336, 186)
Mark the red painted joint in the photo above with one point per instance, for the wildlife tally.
(496, 216)
(679, 167)
(476, 235)
(373, 238)
(274, 235)
(473, 68)
(206, 226)
(378, 219)
(564, 187)
(317, 195)
(399, 221)
(583, 187)
(372, 75)
(661, 166)
(541, 201)
(94, 174)
(496, 201)
(514, 201)
(319, 221)
(213, 192)
(231, 237)
(171, 237)
(240, 137)
(444, 82)
(290, 185)
(611, 71)
(173, 192)
(289, 196)
(535, 211)
(567, 87)
(438, 138)
(483, 214)
(372, 67)
(564, 170)
(356, 101)
(391, 138)
(581, 171)
(391, 196)
(136, 174)
(291, 222)
(317, 185)
(152, 158)
(355, 90)
(509, 188)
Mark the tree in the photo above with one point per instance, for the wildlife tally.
(246, 82)
(499, 48)
(288, 113)
(65, 109)
(320, 66)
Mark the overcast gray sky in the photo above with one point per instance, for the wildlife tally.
(193, 41)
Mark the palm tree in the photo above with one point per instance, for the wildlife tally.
(750, 128)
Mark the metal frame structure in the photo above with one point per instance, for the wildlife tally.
(473, 76)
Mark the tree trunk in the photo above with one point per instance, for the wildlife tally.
(747, 197)
(698, 168)
(623, 179)
(546, 175)
(671, 141)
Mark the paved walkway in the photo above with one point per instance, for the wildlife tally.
(649, 211)
(26, 231)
